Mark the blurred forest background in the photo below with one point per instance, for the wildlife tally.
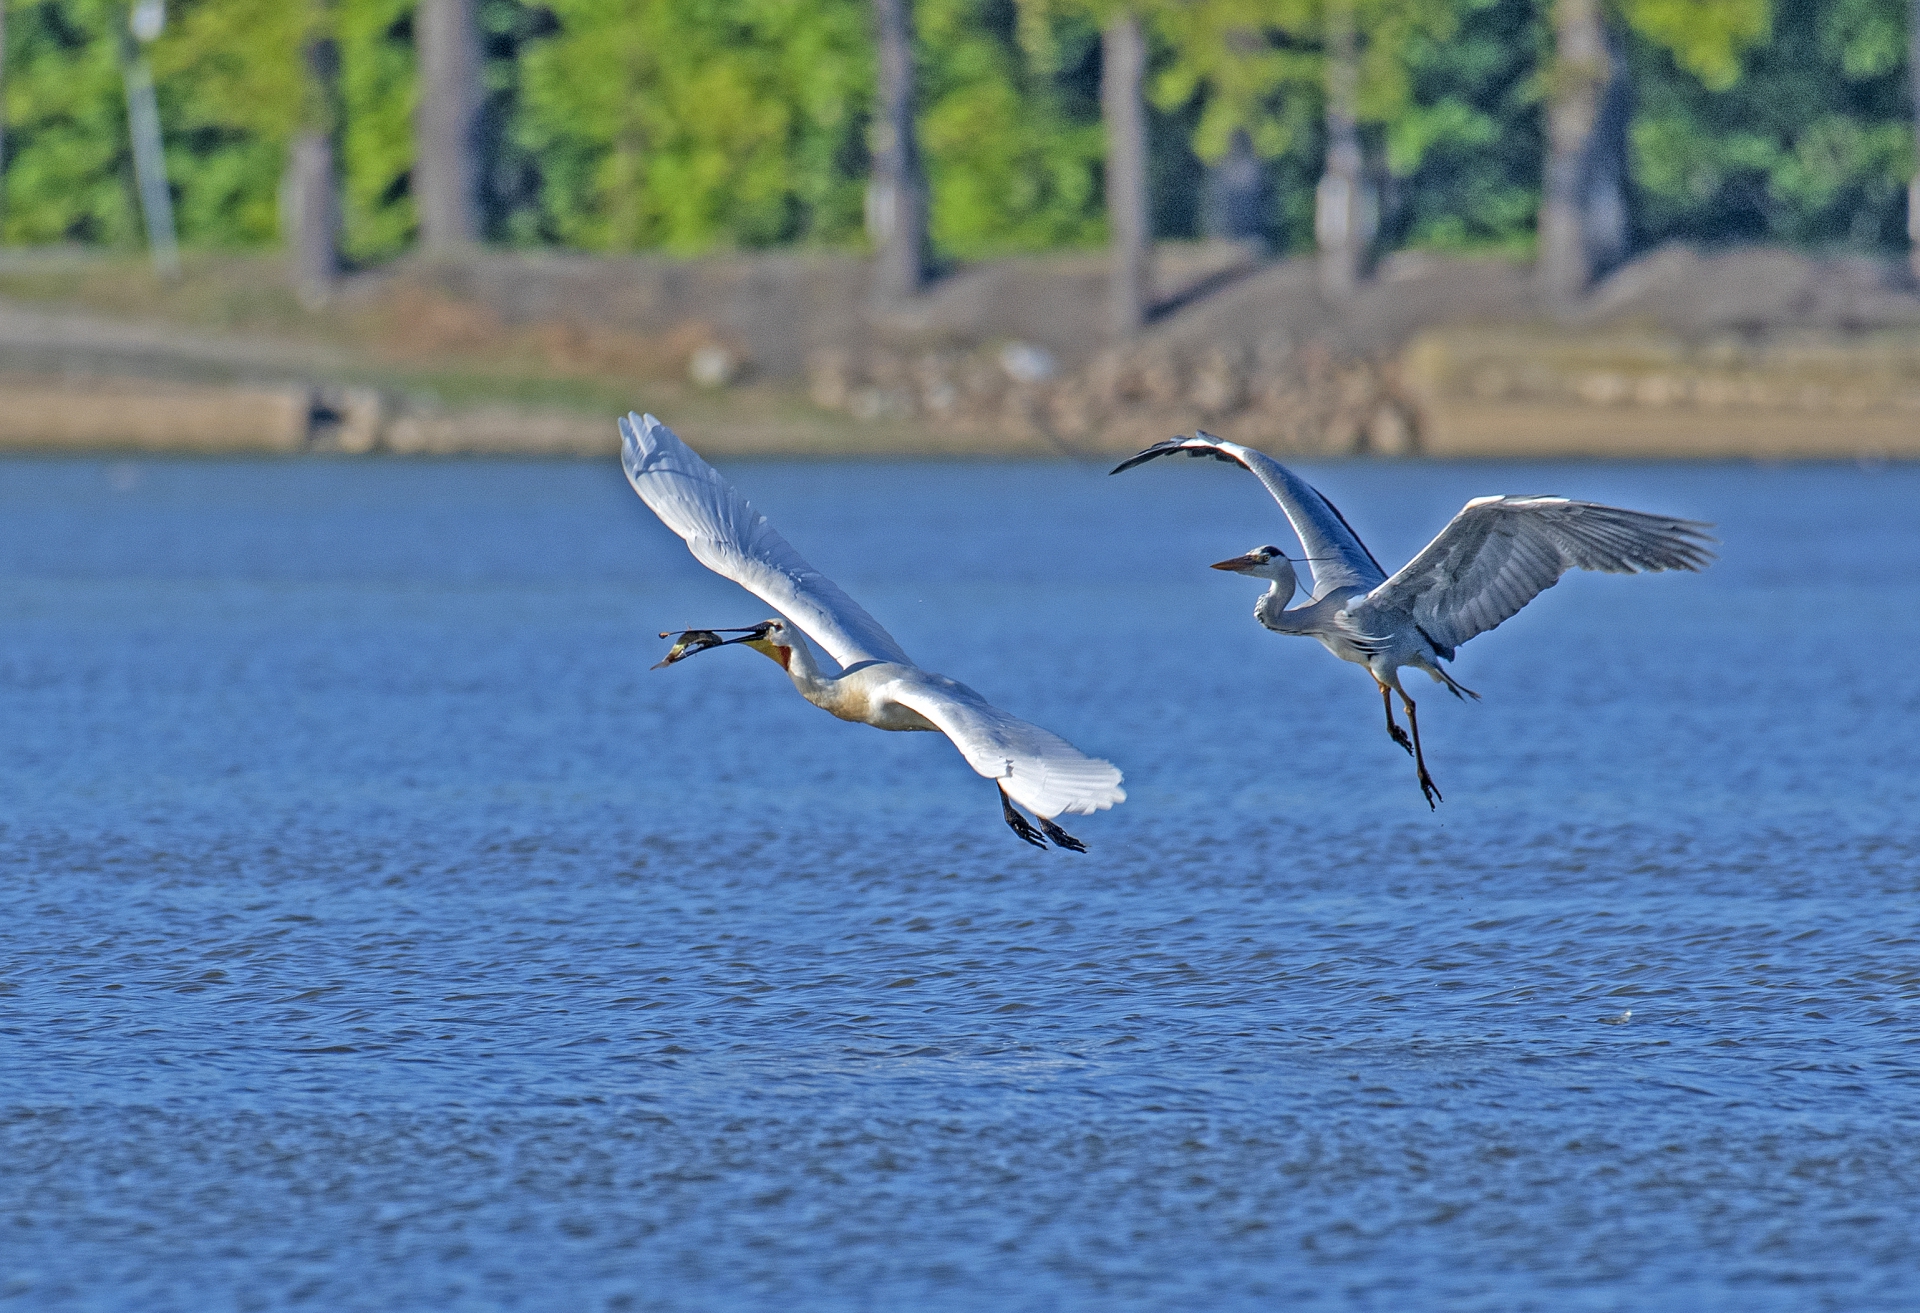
(1040, 222)
(690, 125)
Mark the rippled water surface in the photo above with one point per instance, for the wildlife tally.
(377, 932)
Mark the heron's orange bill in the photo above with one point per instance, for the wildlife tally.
(1237, 564)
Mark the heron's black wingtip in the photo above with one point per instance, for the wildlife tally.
(1172, 444)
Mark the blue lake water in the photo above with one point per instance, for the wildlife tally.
(377, 932)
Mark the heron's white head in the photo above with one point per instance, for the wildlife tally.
(772, 638)
(1267, 562)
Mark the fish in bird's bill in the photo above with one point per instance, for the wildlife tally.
(694, 642)
(691, 641)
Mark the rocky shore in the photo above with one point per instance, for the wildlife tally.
(1750, 353)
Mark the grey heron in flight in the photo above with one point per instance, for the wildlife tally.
(877, 683)
(1494, 557)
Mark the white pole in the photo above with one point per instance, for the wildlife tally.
(149, 161)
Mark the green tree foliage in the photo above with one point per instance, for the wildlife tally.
(1808, 140)
(686, 125)
(1704, 37)
(1010, 127)
(68, 166)
(698, 123)
(1391, 34)
(1443, 98)
(1464, 156)
(230, 81)
(375, 130)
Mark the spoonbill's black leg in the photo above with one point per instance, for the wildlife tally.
(1018, 823)
(1399, 735)
(1428, 789)
(1061, 839)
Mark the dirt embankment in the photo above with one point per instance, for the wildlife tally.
(1743, 353)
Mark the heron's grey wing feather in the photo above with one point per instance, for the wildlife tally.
(1334, 551)
(1499, 553)
(1039, 770)
(729, 537)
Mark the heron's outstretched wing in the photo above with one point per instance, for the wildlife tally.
(1334, 551)
(1499, 553)
(1041, 771)
(730, 538)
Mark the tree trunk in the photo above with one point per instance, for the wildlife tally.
(1575, 89)
(1338, 218)
(1123, 70)
(312, 217)
(1603, 192)
(446, 171)
(1236, 202)
(896, 194)
(1913, 79)
(311, 197)
(149, 157)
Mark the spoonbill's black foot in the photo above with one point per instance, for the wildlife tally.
(1061, 839)
(1018, 823)
(1400, 737)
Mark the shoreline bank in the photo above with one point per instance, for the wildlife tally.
(1757, 353)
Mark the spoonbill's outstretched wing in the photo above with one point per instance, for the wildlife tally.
(1499, 553)
(1334, 551)
(1039, 770)
(730, 538)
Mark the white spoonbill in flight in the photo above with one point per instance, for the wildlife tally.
(878, 683)
(1497, 554)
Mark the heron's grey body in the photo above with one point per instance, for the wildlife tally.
(1496, 555)
(877, 684)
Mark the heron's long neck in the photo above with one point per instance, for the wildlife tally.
(1271, 609)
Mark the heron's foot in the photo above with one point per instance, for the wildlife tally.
(1061, 839)
(1430, 791)
(1400, 737)
(1018, 823)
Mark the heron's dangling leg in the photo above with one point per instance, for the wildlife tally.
(1018, 823)
(1061, 839)
(1399, 735)
(1428, 789)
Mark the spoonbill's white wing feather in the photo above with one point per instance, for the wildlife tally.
(1039, 770)
(730, 538)
(1499, 553)
(1334, 551)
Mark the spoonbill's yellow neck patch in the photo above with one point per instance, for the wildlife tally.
(779, 652)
